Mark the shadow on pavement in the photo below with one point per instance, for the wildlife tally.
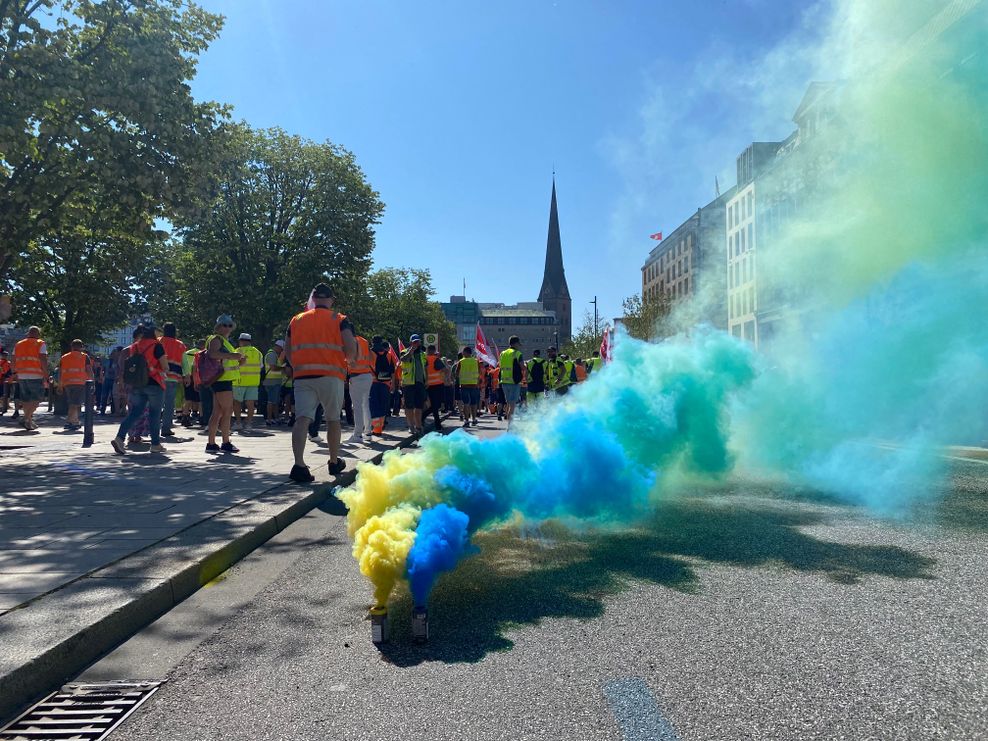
(519, 580)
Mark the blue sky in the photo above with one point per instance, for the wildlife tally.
(458, 112)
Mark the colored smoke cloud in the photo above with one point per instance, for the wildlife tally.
(878, 358)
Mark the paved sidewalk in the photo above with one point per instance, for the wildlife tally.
(94, 545)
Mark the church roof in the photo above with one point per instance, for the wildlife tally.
(554, 279)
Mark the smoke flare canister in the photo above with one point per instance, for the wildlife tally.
(380, 625)
(420, 625)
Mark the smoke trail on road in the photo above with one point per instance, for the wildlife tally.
(879, 356)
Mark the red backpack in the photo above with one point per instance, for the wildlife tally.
(205, 370)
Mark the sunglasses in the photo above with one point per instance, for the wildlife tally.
(230, 326)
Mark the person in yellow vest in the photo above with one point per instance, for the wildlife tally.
(556, 373)
(31, 369)
(274, 378)
(594, 363)
(361, 375)
(383, 382)
(219, 348)
(245, 388)
(512, 374)
(468, 371)
(413, 384)
(536, 377)
(319, 345)
(74, 369)
(435, 380)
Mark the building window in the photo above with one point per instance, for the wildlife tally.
(751, 298)
(751, 234)
(749, 203)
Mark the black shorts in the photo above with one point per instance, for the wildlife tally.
(191, 394)
(220, 386)
(414, 396)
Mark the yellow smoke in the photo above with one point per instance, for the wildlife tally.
(381, 547)
(399, 479)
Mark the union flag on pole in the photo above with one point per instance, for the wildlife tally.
(401, 346)
(483, 352)
(657, 236)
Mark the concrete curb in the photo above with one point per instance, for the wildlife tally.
(59, 634)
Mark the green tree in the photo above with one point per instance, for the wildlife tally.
(585, 340)
(398, 303)
(95, 106)
(287, 214)
(643, 318)
(86, 279)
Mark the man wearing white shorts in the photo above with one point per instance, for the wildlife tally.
(319, 345)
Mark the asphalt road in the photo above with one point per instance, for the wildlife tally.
(741, 612)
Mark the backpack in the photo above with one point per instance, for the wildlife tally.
(135, 370)
(208, 369)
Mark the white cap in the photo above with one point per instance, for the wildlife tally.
(245, 336)
(279, 343)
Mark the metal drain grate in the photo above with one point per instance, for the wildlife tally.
(80, 712)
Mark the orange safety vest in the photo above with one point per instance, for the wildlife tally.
(317, 344)
(27, 359)
(146, 348)
(494, 378)
(4, 369)
(365, 359)
(174, 350)
(433, 377)
(581, 373)
(74, 369)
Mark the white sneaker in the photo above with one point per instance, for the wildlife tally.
(314, 438)
(355, 439)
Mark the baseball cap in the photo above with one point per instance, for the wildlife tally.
(245, 336)
(224, 320)
(414, 338)
(323, 291)
(279, 343)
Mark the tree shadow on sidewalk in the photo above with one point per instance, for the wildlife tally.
(518, 580)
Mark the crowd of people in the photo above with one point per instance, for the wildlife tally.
(322, 370)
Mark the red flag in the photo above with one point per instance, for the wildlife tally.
(482, 350)
(401, 346)
(392, 355)
(605, 346)
(657, 236)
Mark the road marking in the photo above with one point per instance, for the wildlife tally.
(637, 711)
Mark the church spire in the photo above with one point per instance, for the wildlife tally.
(554, 279)
(554, 295)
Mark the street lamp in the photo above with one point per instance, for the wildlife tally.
(596, 321)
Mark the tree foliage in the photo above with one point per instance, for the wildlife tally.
(287, 214)
(585, 340)
(83, 280)
(398, 303)
(95, 107)
(643, 317)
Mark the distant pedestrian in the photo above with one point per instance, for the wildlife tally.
(175, 352)
(74, 369)
(319, 344)
(413, 383)
(6, 374)
(436, 374)
(246, 387)
(536, 377)
(144, 373)
(31, 369)
(274, 377)
(468, 372)
(361, 377)
(512, 374)
(384, 381)
(191, 405)
(219, 349)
